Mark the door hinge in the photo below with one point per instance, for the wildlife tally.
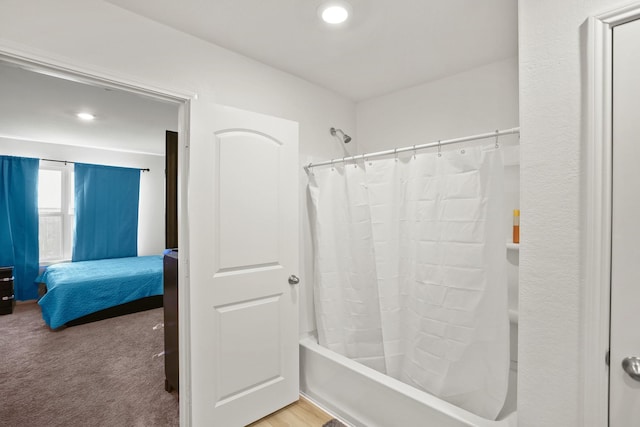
(606, 358)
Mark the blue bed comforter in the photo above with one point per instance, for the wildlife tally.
(75, 289)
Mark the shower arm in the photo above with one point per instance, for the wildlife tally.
(345, 138)
(494, 134)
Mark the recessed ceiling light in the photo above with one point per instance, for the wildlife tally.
(334, 13)
(85, 116)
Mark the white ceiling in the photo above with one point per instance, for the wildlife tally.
(386, 46)
(42, 108)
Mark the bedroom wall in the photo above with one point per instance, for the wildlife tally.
(151, 214)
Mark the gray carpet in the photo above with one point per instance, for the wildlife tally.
(99, 374)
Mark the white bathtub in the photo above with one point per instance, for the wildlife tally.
(364, 397)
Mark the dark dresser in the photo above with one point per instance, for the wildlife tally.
(7, 296)
(170, 264)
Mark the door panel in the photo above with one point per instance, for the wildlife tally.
(243, 208)
(245, 181)
(238, 339)
(624, 402)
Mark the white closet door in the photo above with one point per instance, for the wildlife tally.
(624, 400)
(243, 218)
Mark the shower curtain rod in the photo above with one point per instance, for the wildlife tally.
(494, 134)
(67, 161)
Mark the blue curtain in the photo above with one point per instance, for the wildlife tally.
(19, 222)
(106, 212)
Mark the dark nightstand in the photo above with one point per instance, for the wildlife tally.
(7, 296)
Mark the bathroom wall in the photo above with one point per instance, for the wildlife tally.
(476, 101)
(553, 66)
(151, 214)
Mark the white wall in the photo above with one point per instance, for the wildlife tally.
(151, 214)
(552, 80)
(476, 101)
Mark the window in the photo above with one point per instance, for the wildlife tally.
(55, 210)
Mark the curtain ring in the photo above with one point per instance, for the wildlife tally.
(332, 168)
(414, 151)
(497, 132)
(308, 168)
(395, 153)
(439, 149)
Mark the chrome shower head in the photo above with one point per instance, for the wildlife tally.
(345, 138)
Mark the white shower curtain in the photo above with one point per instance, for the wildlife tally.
(432, 228)
(346, 304)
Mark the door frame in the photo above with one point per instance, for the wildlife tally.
(598, 169)
(61, 67)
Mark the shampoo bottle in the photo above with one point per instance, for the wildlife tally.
(516, 226)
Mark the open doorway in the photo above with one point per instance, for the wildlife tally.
(37, 121)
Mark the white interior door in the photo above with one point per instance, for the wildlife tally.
(624, 402)
(243, 219)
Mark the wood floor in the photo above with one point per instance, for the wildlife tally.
(299, 414)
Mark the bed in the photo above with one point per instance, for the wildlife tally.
(83, 291)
